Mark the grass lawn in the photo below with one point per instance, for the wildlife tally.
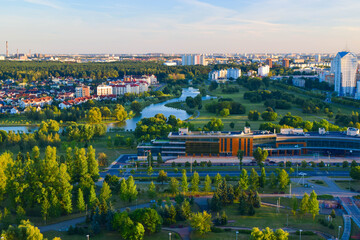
(240, 120)
(355, 230)
(344, 184)
(267, 217)
(232, 235)
(107, 236)
(319, 182)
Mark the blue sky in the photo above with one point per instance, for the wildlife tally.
(179, 26)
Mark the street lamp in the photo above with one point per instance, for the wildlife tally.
(339, 232)
(237, 232)
(87, 237)
(169, 235)
(300, 233)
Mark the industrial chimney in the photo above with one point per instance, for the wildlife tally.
(7, 49)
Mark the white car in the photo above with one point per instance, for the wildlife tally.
(302, 174)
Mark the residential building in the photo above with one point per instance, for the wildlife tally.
(345, 65)
(82, 91)
(193, 59)
(269, 62)
(286, 62)
(317, 58)
(264, 71)
(233, 73)
(104, 90)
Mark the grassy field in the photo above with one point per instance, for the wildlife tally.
(267, 217)
(319, 182)
(107, 236)
(232, 235)
(354, 185)
(240, 120)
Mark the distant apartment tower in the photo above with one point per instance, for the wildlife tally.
(233, 73)
(286, 62)
(193, 59)
(264, 71)
(345, 65)
(82, 91)
(7, 49)
(104, 90)
(317, 58)
(269, 62)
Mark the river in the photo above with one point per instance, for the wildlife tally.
(130, 124)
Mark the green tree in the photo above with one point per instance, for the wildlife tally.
(136, 106)
(94, 115)
(93, 167)
(25, 230)
(174, 185)
(225, 112)
(162, 177)
(45, 206)
(120, 113)
(260, 155)
(244, 180)
(272, 180)
(257, 234)
(355, 172)
(185, 210)
(152, 190)
(262, 178)
(281, 234)
(92, 196)
(184, 182)
(217, 179)
(159, 159)
(283, 179)
(240, 155)
(150, 171)
(195, 180)
(254, 179)
(131, 189)
(105, 192)
(294, 205)
(304, 204)
(313, 204)
(207, 184)
(80, 201)
(123, 190)
(201, 222)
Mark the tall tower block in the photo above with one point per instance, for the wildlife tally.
(7, 49)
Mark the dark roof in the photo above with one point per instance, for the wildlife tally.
(342, 54)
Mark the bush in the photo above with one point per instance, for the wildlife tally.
(216, 230)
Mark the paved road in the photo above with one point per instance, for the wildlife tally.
(64, 226)
(351, 209)
(114, 168)
(332, 188)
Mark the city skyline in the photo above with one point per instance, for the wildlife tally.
(180, 26)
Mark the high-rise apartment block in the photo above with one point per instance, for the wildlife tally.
(269, 62)
(104, 90)
(82, 91)
(286, 62)
(193, 59)
(344, 66)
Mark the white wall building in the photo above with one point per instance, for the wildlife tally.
(104, 90)
(234, 73)
(345, 65)
(264, 71)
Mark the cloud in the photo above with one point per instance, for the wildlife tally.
(46, 3)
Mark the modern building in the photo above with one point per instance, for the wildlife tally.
(344, 66)
(318, 58)
(82, 91)
(193, 59)
(286, 62)
(288, 142)
(264, 71)
(104, 90)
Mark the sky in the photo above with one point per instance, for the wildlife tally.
(180, 26)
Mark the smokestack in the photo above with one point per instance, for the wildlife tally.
(29, 52)
(7, 49)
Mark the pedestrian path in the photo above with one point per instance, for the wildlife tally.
(347, 228)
